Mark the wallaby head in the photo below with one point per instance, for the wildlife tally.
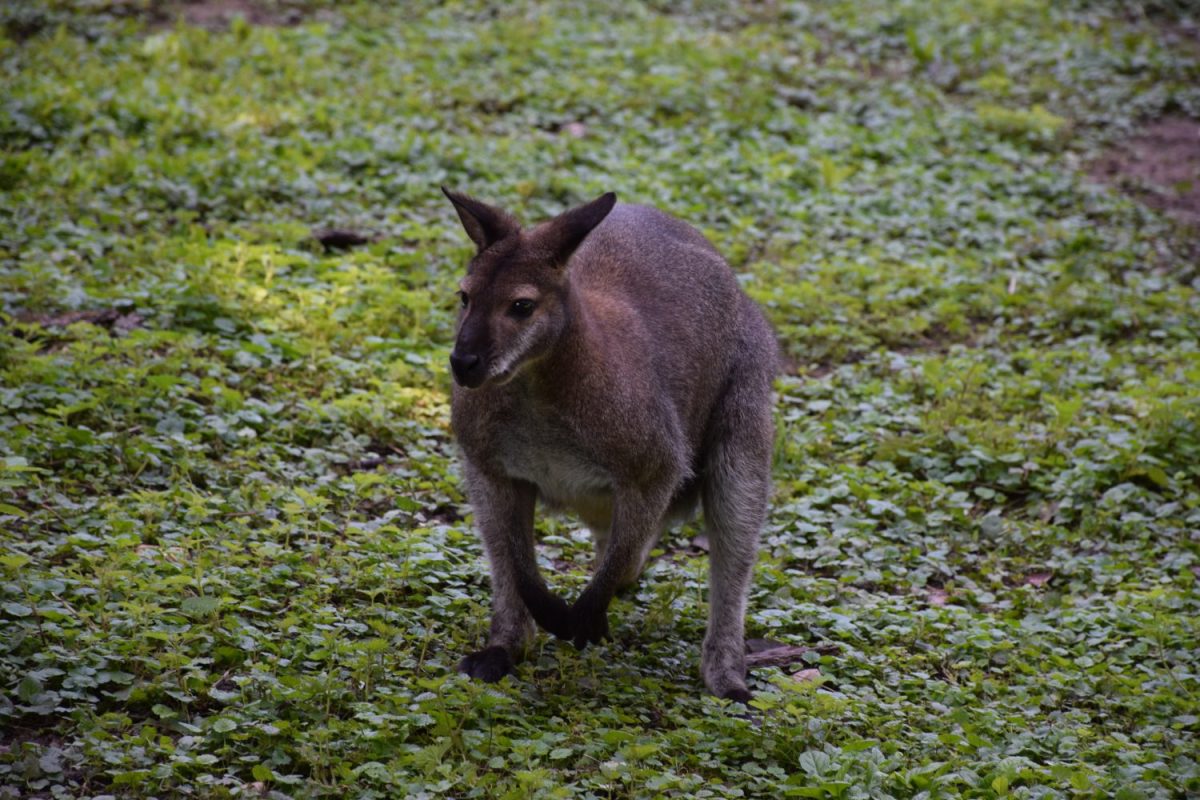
(515, 294)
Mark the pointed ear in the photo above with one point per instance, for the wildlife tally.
(485, 224)
(567, 231)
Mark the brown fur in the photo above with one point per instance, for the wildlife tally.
(638, 383)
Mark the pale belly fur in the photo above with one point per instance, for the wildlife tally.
(566, 478)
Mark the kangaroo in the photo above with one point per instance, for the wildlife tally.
(606, 362)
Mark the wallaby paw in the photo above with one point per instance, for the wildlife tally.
(488, 665)
(550, 612)
(589, 620)
(723, 667)
(742, 696)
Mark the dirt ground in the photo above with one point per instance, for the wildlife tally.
(219, 13)
(1159, 166)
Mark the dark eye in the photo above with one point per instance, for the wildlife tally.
(465, 298)
(521, 308)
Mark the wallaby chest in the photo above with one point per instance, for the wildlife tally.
(539, 446)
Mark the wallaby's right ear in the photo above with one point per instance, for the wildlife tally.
(567, 231)
(485, 224)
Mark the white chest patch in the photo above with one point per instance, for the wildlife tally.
(549, 458)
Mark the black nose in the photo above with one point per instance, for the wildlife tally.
(468, 370)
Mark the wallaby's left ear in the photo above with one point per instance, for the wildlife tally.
(567, 231)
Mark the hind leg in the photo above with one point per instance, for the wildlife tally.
(682, 507)
(735, 486)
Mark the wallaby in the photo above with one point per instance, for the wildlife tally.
(607, 362)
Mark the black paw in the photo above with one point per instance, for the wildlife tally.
(549, 611)
(488, 665)
(589, 620)
(742, 696)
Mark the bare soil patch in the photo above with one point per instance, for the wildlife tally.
(218, 14)
(30, 19)
(115, 320)
(1160, 166)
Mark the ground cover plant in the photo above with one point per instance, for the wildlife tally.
(236, 560)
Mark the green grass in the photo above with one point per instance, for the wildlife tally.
(236, 560)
